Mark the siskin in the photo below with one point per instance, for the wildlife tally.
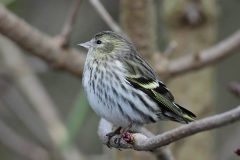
(122, 88)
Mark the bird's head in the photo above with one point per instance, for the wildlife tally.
(107, 43)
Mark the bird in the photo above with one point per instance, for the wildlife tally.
(122, 87)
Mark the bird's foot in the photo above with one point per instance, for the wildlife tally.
(128, 137)
(112, 134)
(125, 135)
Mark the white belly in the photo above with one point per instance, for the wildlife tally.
(110, 113)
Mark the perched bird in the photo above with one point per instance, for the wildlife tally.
(122, 88)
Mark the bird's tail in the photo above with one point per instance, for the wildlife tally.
(187, 116)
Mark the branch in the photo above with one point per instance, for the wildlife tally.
(144, 143)
(39, 44)
(68, 26)
(106, 16)
(205, 58)
(163, 153)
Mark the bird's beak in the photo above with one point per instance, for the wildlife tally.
(86, 45)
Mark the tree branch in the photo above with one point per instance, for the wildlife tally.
(39, 44)
(68, 26)
(163, 153)
(142, 142)
(106, 16)
(204, 58)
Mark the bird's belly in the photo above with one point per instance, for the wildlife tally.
(108, 111)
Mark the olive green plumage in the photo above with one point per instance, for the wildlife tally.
(122, 88)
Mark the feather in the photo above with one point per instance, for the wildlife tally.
(159, 93)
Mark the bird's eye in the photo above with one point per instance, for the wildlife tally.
(99, 42)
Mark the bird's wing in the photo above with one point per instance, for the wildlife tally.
(157, 91)
(141, 76)
(138, 71)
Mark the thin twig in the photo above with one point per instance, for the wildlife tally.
(39, 43)
(204, 58)
(142, 142)
(68, 26)
(106, 16)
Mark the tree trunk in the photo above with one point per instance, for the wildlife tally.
(137, 20)
(192, 24)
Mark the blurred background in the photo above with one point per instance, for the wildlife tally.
(23, 130)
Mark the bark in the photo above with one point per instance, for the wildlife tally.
(137, 20)
(143, 140)
(192, 24)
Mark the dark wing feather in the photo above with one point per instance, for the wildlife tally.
(157, 91)
(156, 86)
(141, 76)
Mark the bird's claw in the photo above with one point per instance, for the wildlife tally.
(118, 140)
(127, 137)
(111, 134)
